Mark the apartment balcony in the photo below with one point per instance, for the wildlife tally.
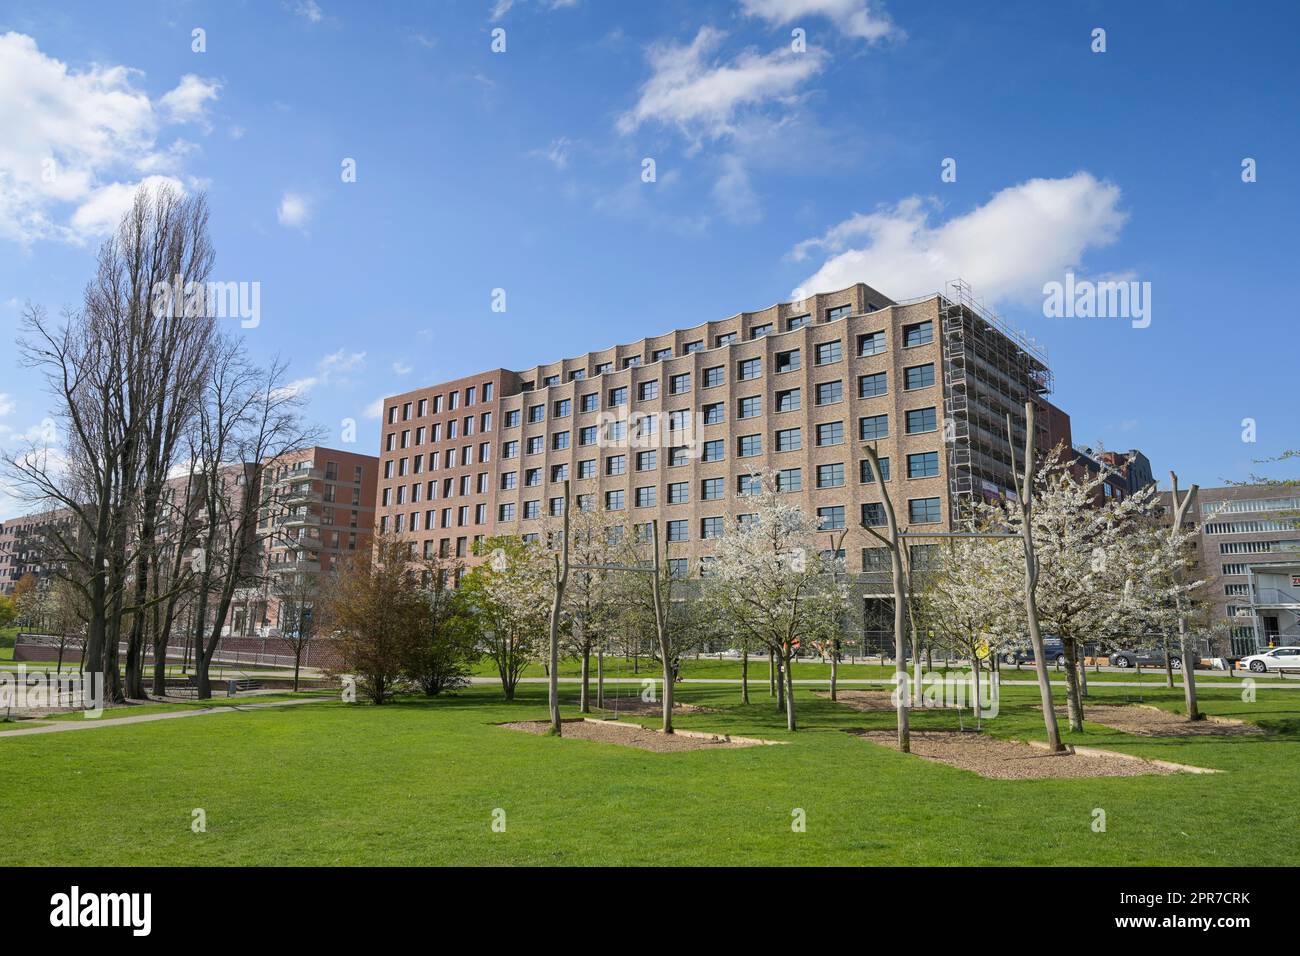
(300, 474)
(307, 543)
(302, 565)
(300, 521)
(1276, 598)
(296, 497)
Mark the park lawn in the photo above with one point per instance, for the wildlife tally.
(416, 782)
(710, 668)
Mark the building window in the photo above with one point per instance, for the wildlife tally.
(830, 476)
(923, 465)
(532, 477)
(679, 492)
(559, 441)
(838, 312)
(678, 455)
(631, 360)
(677, 531)
(796, 322)
(872, 386)
(616, 465)
(749, 369)
(789, 479)
(647, 391)
(918, 376)
(828, 352)
(710, 528)
(873, 343)
(680, 384)
(750, 407)
(587, 435)
(660, 354)
(788, 400)
(789, 439)
(758, 331)
(747, 485)
(919, 333)
(725, 339)
(714, 450)
(692, 346)
(587, 468)
(618, 396)
(829, 393)
(923, 510)
(873, 514)
(747, 446)
(678, 568)
(876, 559)
(873, 427)
(921, 420)
(535, 445)
(714, 413)
(532, 509)
(508, 481)
(614, 500)
(646, 496)
(510, 449)
(563, 407)
(831, 518)
(712, 489)
(536, 413)
(715, 376)
(830, 433)
(865, 475)
(587, 403)
(787, 361)
(559, 473)
(504, 513)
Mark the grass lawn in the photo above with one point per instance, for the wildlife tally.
(416, 783)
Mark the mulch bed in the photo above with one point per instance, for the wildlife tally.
(1146, 721)
(1010, 759)
(637, 707)
(632, 735)
(869, 700)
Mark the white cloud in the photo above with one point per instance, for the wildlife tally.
(7, 405)
(294, 211)
(689, 88)
(557, 153)
(333, 369)
(502, 7)
(401, 368)
(309, 10)
(375, 409)
(104, 208)
(1024, 236)
(67, 134)
(857, 18)
(188, 102)
(734, 193)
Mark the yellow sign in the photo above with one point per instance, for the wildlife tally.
(982, 650)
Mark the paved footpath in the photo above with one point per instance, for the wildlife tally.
(882, 681)
(59, 726)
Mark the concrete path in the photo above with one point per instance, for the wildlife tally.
(885, 682)
(59, 726)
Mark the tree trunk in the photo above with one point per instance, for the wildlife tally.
(975, 664)
(780, 685)
(600, 678)
(771, 673)
(835, 673)
(1189, 665)
(744, 676)
(297, 658)
(584, 702)
(1169, 666)
(790, 723)
(1074, 704)
(561, 578)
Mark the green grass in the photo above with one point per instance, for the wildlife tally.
(416, 783)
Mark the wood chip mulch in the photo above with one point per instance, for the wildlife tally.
(635, 706)
(868, 700)
(1009, 759)
(1146, 721)
(631, 735)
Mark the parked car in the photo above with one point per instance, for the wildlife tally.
(1053, 652)
(1132, 658)
(1276, 659)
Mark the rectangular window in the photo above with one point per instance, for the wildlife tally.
(510, 449)
(604, 367)
(918, 376)
(828, 352)
(660, 354)
(747, 446)
(559, 441)
(714, 414)
(692, 346)
(506, 513)
(714, 450)
(587, 435)
(536, 413)
(758, 331)
(678, 492)
(865, 474)
(616, 465)
(678, 568)
(677, 531)
(532, 477)
(838, 312)
(873, 427)
(680, 384)
(750, 407)
(788, 400)
(830, 476)
(748, 485)
(631, 360)
(618, 396)
(830, 433)
(710, 528)
(563, 408)
(787, 361)
(587, 403)
(678, 455)
(536, 445)
(873, 386)
(796, 322)
(647, 460)
(829, 393)
(587, 468)
(614, 500)
(717, 375)
(648, 390)
(712, 489)
(725, 339)
(873, 343)
(749, 369)
(532, 509)
(919, 333)
(923, 465)
(876, 559)
(512, 421)
(873, 514)
(789, 439)
(556, 507)
(559, 473)
(921, 420)
(831, 518)
(789, 479)
(923, 510)
(646, 496)
(508, 481)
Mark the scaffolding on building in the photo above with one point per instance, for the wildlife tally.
(990, 370)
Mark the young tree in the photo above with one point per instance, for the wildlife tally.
(298, 594)
(375, 610)
(444, 651)
(591, 594)
(772, 580)
(510, 596)
(1178, 558)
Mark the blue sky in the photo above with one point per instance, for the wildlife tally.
(776, 169)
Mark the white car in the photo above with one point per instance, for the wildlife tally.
(1276, 659)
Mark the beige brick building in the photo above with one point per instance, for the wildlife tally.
(670, 427)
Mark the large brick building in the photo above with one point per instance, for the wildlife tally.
(671, 426)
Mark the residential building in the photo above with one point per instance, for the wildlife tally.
(671, 426)
(23, 546)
